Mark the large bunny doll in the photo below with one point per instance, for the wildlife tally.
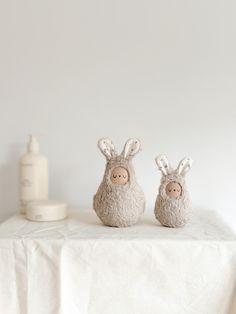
(172, 207)
(119, 201)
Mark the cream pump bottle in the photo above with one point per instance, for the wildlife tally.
(33, 175)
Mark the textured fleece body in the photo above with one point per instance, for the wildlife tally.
(172, 212)
(119, 205)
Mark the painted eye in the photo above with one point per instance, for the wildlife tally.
(170, 190)
(114, 176)
(119, 175)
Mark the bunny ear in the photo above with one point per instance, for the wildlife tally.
(107, 148)
(131, 148)
(163, 164)
(184, 166)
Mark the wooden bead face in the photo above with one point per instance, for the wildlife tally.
(119, 176)
(173, 190)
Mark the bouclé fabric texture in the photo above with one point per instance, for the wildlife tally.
(119, 205)
(173, 212)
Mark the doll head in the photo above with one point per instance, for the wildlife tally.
(173, 180)
(119, 170)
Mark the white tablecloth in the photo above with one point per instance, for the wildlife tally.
(79, 266)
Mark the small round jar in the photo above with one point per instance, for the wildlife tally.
(46, 211)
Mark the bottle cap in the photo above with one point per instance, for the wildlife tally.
(33, 145)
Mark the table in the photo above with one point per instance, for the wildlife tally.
(79, 266)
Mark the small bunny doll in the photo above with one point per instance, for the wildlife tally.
(119, 201)
(172, 206)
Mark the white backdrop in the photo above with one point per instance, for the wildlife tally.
(163, 71)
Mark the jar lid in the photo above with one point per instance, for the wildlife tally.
(46, 210)
(46, 204)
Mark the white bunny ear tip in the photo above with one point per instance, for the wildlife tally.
(131, 148)
(184, 166)
(106, 147)
(163, 164)
(104, 139)
(160, 157)
(104, 142)
(134, 141)
(188, 160)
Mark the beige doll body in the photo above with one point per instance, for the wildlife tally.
(172, 208)
(119, 201)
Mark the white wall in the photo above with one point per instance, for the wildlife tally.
(164, 71)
